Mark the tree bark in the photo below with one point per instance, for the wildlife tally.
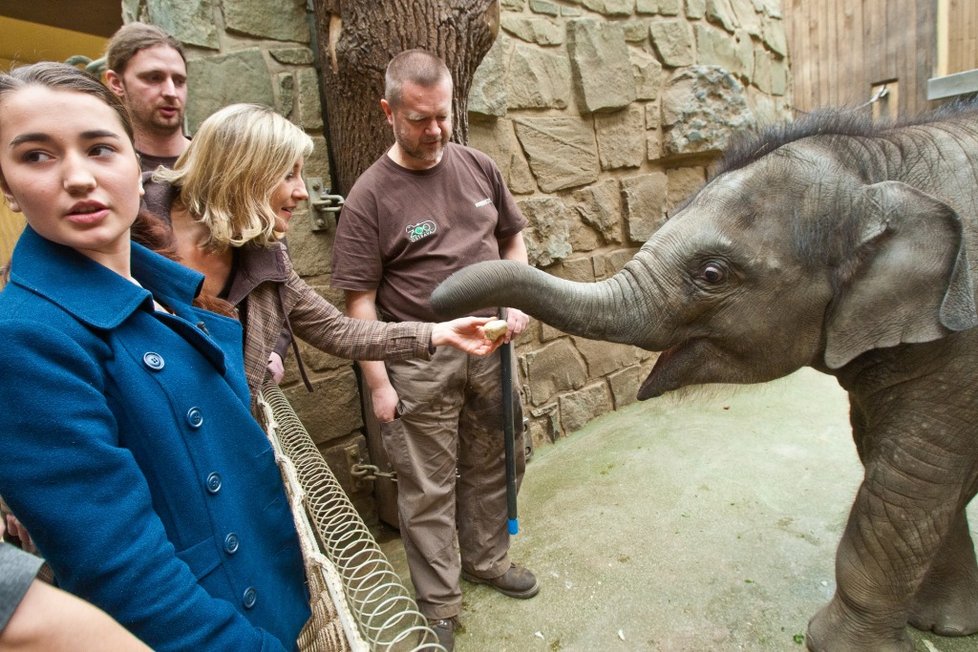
(356, 40)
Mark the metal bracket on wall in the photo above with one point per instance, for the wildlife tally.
(371, 472)
(324, 205)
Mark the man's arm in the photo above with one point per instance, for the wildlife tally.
(362, 305)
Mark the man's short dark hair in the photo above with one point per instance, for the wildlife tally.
(133, 37)
(416, 66)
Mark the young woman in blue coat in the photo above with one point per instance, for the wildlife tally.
(127, 448)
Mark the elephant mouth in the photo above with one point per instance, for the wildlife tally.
(656, 384)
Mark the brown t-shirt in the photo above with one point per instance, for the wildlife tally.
(149, 162)
(403, 231)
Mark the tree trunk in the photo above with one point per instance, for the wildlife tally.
(356, 40)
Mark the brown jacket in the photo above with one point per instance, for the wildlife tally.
(271, 298)
(271, 295)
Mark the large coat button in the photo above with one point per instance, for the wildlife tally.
(213, 482)
(195, 418)
(249, 597)
(231, 543)
(153, 360)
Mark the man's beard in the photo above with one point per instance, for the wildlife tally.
(424, 152)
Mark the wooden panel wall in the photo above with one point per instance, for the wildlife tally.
(962, 35)
(11, 224)
(840, 50)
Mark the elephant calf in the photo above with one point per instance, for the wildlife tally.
(851, 248)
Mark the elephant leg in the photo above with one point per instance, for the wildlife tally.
(888, 544)
(855, 620)
(947, 600)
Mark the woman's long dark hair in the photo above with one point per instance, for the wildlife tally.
(154, 233)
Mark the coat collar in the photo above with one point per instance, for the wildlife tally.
(104, 299)
(256, 265)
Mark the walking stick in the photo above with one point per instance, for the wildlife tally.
(494, 330)
(505, 351)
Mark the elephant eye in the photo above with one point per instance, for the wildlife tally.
(713, 272)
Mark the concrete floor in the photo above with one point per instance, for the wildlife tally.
(707, 523)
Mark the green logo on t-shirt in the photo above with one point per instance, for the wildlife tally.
(421, 230)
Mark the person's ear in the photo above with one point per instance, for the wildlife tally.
(114, 82)
(388, 111)
(7, 195)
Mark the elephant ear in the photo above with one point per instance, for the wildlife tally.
(908, 279)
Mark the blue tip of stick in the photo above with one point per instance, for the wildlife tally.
(514, 526)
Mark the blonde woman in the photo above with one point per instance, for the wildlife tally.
(229, 199)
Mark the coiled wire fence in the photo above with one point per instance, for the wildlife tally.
(362, 604)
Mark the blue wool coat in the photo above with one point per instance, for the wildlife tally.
(128, 450)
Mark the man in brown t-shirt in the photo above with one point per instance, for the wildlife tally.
(422, 211)
(147, 69)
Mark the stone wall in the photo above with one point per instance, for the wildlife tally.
(601, 114)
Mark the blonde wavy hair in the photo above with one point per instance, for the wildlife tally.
(226, 176)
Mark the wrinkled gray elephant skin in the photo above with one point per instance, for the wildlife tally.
(852, 249)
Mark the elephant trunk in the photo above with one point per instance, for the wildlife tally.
(604, 310)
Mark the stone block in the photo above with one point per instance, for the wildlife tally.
(747, 17)
(695, 9)
(192, 22)
(544, 426)
(542, 31)
(488, 93)
(214, 82)
(647, 72)
(562, 152)
(285, 103)
(577, 408)
(608, 263)
(292, 56)
(720, 12)
(545, 7)
(281, 21)
(702, 107)
(513, 5)
(573, 268)
(496, 138)
(653, 144)
(718, 48)
(774, 36)
(584, 238)
(674, 42)
(636, 31)
(643, 198)
(553, 368)
(603, 358)
(332, 410)
(537, 79)
(310, 108)
(548, 235)
(653, 115)
(610, 7)
(661, 7)
(683, 183)
(307, 248)
(621, 138)
(624, 385)
(599, 205)
(599, 60)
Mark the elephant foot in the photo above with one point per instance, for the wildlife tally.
(833, 629)
(948, 610)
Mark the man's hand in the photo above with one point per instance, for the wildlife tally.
(276, 367)
(384, 400)
(517, 321)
